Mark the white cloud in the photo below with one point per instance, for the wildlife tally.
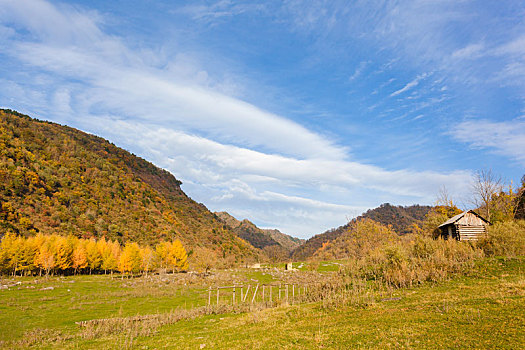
(359, 70)
(230, 154)
(506, 138)
(298, 196)
(469, 52)
(514, 47)
(409, 85)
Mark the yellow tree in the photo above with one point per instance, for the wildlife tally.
(17, 254)
(436, 216)
(94, 259)
(63, 253)
(29, 252)
(104, 250)
(7, 246)
(39, 241)
(80, 256)
(46, 256)
(130, 259)
(148, 259)
(179, 258)
(162, 250)
(111, 256)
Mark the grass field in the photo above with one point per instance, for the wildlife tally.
(485, 309)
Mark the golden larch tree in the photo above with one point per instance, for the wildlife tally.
(80, 261)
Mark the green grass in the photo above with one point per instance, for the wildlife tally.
(323, 266)
(260, 277)
(481, 310)
(80, 298)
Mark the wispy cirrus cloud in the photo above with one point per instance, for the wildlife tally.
(470, 51)
(409, 85)
(505, 138)
(219, 10)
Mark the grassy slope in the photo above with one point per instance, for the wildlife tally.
(484, 310)
(470, 312)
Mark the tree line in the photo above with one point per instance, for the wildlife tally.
(54, 254)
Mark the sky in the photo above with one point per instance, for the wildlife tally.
(296, 115)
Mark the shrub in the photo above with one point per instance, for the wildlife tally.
(410, 262)
(505, 238)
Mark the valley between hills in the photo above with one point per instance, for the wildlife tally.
(102, 249)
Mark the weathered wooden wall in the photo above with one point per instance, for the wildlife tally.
(470, 233)
(470, 219)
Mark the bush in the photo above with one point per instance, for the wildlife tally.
(410, 262)
(505, 239)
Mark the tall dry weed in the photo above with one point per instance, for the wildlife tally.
(505, 239)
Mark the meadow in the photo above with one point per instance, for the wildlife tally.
(481, 308)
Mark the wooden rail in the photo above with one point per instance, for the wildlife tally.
(266, 293)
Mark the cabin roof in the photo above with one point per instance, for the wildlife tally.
(459, 216)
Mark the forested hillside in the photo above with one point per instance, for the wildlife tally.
(287, 241)
(56, 179)
(275, 244)
(399, 218)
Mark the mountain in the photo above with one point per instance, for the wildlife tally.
(57, 179)
(274, 243)
(286, 241)
(399, 218)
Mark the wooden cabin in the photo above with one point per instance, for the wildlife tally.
(467, 226)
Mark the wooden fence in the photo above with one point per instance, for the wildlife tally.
(259, 293)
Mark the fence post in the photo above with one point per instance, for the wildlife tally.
(233, 296)
(255, 293)
(263, 293)
(293, 293)
(217, 295)
(209, 295)
(247, 290)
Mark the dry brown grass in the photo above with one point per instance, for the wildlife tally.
(37, 337)
(505, 239)
(129, 328)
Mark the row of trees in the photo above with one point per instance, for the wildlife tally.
(496, 200)
(71, 255)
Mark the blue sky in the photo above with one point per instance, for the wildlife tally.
(296, 115)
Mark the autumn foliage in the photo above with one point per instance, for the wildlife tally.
(58, 180)
(45, 254)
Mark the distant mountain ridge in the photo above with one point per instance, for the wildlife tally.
(57, 179)
(287, 241)
(269, 240)
(400, 218)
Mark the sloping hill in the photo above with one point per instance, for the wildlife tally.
(286, 241)
(274, 243)
(400, 218)
(246, 230)
(56, 179)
